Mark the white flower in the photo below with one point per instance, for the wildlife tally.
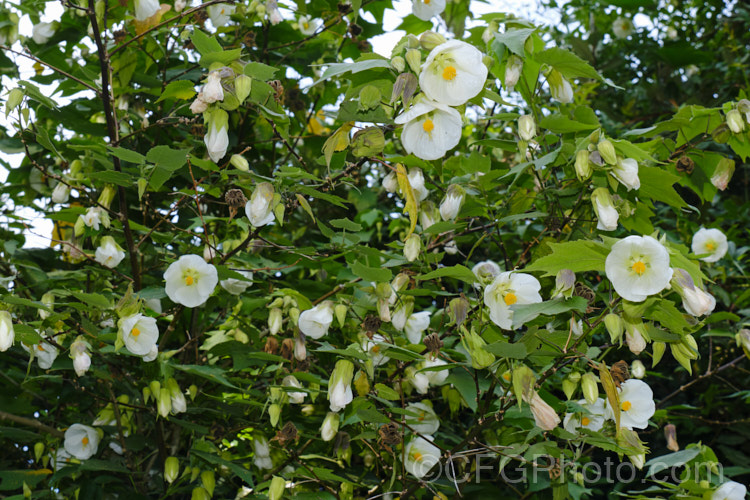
(198, 105)
(634, 336)
(730, 490)
(315, 322)
(560, 88)
(42, 32)
(513, 68)
(373, 348)
(190, 280)
(237, 286)
(93, 217)
(340, 396)
(421, 456)
(330, 426)
(485, 271)
(626, 171)
(109, 253)
(44, 352)
(420, 381)
(7, 333)
(637, 369)
(428, 214)
(390, 182)
(695, 301)
(219, 14)
(434, 377)
(81, 441)
(308, 26)
(154, 305)
(262, 458)
(526, 127)
(638, 266)
(416, 325)
(593, 420)
(412, 247)
(452, 202)
(544, 415)
(179, 5)
(152, 354)
(510, 288)
(61, 459)
(453, 73)
(401, 313)
(636, 404)
(177, 398)
(606, 213)
(295, 397)
(735, 122)
(622, 28)
(430, 130)
(451, 248)
(217, 141)
(427, 9)
(145, 9)
(259, 207)
(710, 242)
(61, 193)
(139, 333)
(416, 181)
(274, 15)
(422, 419)
(212, 90)
(80, 355)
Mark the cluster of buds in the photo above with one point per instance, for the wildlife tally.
(738, 116)
(168, 398)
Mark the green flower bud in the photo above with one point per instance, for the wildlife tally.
(209, 481)
(743, 340)
(735, 122)
(429, 40)
(658, 349)
(79, 227)
(242, 86)
(523, 383)
(637, 369)
(164, 404)
(412, 247)
(565, 283)
(583, 165)
(239, 162)
(458, 309)
(607, 150)
(146, 394)
(398, 63)
(193, 391)
(200, 493)
(474, 344)
(414, 58)
(194, 473)
(723, 174)
(276, 490)
(369, 98)
(569, 385)
(171, 469)
(38, 450)
(293, 315)
(155, 388)
(368, 142)
(274, 413)
(361, 384)
(615, 327)
(107, 195)
(590, 387)
(340, 311)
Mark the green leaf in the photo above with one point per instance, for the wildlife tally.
(238, 470)
(112, 177)
(458, 271)
(93, 299)
(335, 69)
(212, 373)
(515, 39)
(372, 415)
(205, 44)
(180, 89)
(507, 350)
(560, 124)
(374, 274)
(15, 479)
(676, 459)
(26, 334)
(127, 155)
(225, 57)
(578, 256)
(386, 392)
(164, 156)
(346, 224)
(523, 313)
(330, 198)
(260, 71)
(671, 318)
(567, 63)
(656, 183)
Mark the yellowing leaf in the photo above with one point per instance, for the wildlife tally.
(609, 388)
(410, 206)
(306, 206)
(338, 141)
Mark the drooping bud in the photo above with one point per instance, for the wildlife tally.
(637, 369)
(570, 383)
(590, 387)
(451, 204)
(459, 309)
(670, 433)
(239, 162)
(723, 174)
(276, 490)
(635, 336)
(606, 213)
(523, 383)
(398, 63)
(735, 122)
(657, 349)
(636, 451)
(583, 165)
(429, 40)
(61, 193)
(544, 415)
(565, 283)
(414, 59)
(474, 345)
(274, 321)
(560, 88)
(513, 69)
(412, 247)
(607, 150)
(164, 403)
(242, 87)
(171, 469)
(526, 127)
(615, 327)
(330, 426)
(208, 479)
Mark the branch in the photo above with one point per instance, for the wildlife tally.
(53, 68)
(708, 373)
(30, 422)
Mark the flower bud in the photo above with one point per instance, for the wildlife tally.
(429, 40)
(695, 301)
(38, 450)
(615, 327)
(590, 387)
(657, 349)
(276, 489)
(239, 162)
(339, 385)
(670, 433)
(164, 403)
(390, 183)
(412, 247)
(242, 85)
(428, 214)
(458, 309)
(583, 166)
(213, 90)
(451, 204)
(107, 195)
(743, 340)
(723, 174)
(414, 59)
(735, 122)
(474, 344)
(628, 439)
(398, 63)
(274, 413)
(513, 69)
(15, 97)
(570, 383)
(155, 388)
(330, 426)
(200, 493)
(300, 350)
(61, 193)
(637, 369)
(193, 391)
(361, 384)
(340, 311)
(606, 212)
(634, 336)
(560, 88)
(565, 283)
(544, 415)
(607, 150)
(526, 127)
(171, 469)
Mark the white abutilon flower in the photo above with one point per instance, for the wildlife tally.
(430, 130)
(219, 14)
(262, 457)
(416, 325)
(735, 122)
(434, 377)
(373, 348)
(390, 182)
(190, 280)
(606, 213)
(453, 73)
(236, 286)
(42, 32)
(626, 171)
(274, 15)
(314, 323)
(177, 397)
(486, 271)
(638, 266)
(330, 426)
(145, 9)
(634, 336)
(139, 333)
(152, 354)
(402, 312)
(636, 404)
(420, 456)
(513, 68)
(416, 181)
(544, 415)
(593, 420)
(731, 490)
(510, 288)
(44, 352)
(61, 193)
(212, 90)
(217, 137)
(412, 247)
(7, 333)
(81, 441)
(109, 253)
(259, 208)
(93, 217)
(451, 204)
(560, 88)
(422, 418)
(695, 301)
(711, 243)
(428, 214)
(340, 385)
(418, 380)
(308, 26)
(622, 27)
(198, 105)
(427, 9)
(79, 353)
(526, 127)
(295, 397)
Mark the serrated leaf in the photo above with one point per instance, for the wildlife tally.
(374, 274)
(458, 271)
(515, 39)
(504, 349)
(567, 63)
(335, 69)
(656, 183)
(578, 256)
(260, 71)
(127, 155)
(523, 313)
(204, 44)
(180, 89)
(386, 392)
(305, 205)
(338, 141)
(410, 206)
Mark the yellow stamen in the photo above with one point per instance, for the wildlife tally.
(421, 416)
(585, 421)
(135, 332)
(506, 376)
(39, 346)
(417, 456)
(639, 268)
(189, 280)
(375, 349)
(510, 298)
(626, 405)
(306, 25)
(449, 73)
(85, 441)
(428, 126)
(427, 2)
(710, 247)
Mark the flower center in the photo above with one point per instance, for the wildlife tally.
(375, 349)
(39, 346)
(421, 416)
(510, 298)
(626, 405)
(417, 456)
(427, 2)
(428, 126)
(85, 441)
(639, 268)
(306, 25)
(189, 280)
(506, 377)
(711, 246)
(135, 332)
(449, 73)
(585, 421)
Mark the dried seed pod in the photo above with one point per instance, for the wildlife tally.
(286, 433)
(433, 343)
(372, 324)
(685, 164)
(619, 372)
(272, 345)
(287, 349)
(390, 434)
